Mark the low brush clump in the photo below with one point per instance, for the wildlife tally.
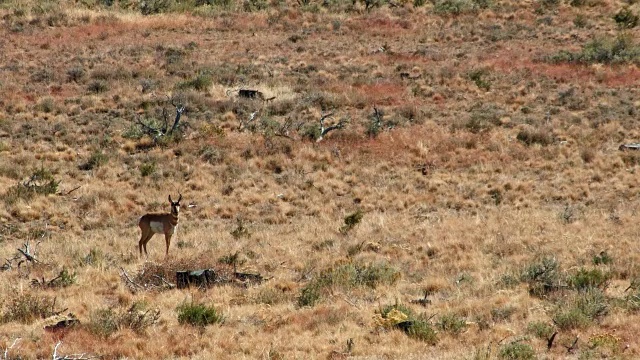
(40, 182)
(543, 276)
(580, 310)
(28, 307)
(345, 277)
(400, 317)
(105, 322)
(621, 50)
(517, 350)
(542, 137)
(199, 314)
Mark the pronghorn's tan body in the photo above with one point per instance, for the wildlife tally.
(151, 224)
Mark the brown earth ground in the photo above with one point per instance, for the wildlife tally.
(487, 159)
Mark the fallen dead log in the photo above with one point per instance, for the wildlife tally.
(57, 323)
(208, 277)
(251, 94)
(199, 278)
(254, 94)
(249, 278)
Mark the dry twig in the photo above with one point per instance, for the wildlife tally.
(133, 284)
(27, 253)
(6, 351)
(324, 130)
(169, 285)
(82, 356)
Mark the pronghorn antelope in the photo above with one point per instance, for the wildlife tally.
(151, 224)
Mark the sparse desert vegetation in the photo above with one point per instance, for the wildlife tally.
(411, 179)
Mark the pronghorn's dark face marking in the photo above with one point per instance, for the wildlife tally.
(175, 205)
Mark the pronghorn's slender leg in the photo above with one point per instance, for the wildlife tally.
(145, 243)
(141, 242)
(144, 239)
(167, 239)
(146, 234)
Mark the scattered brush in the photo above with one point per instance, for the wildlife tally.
(400, 317)
(105, 322)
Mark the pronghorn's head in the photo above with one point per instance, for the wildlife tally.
(175, 205)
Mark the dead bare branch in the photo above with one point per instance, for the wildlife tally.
(323, 117)
(248, 278)
(82, 356)
(29, 256)
(180, 108)
(305, 275)
(72, 190)
(344, 297)
(324, 130)
(245, 124)
(151, 131)
(165, 122)
(8, 265)
(378, 116)
(164, 130)
(283, 129)
(635, 146)
(550, 341)
(169, 285)
(44, 283)
(133, 284)
(62, 279)
(573, 346)
(424, 301)
(6, 351)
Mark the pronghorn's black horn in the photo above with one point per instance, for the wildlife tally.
(179, 197)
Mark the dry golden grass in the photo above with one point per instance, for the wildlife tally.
(489, 160)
